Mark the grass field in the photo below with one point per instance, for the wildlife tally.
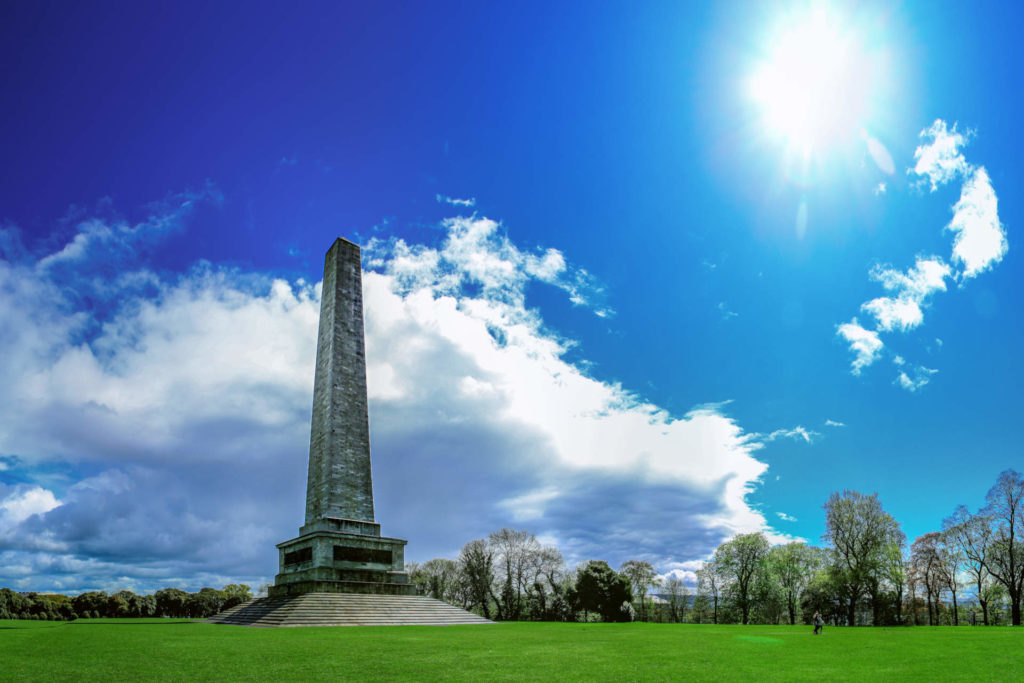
(133, 649)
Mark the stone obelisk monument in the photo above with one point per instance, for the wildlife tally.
(339, 549)
(340, 571)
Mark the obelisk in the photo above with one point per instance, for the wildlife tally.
(339, 484)
(339, 548)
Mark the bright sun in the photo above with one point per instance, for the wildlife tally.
(813, 86)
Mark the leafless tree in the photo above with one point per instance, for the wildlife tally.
(1005, 507)
(926, 564)
(677, 594)
(515, 559)
(974, 534)
(710, 582)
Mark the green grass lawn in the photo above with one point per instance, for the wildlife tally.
(102, 649)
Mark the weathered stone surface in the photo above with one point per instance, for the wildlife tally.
(339, 549)
(339, 483)
(333, 562)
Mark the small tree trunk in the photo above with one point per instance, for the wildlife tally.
(956, 614)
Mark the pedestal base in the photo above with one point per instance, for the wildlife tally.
(325, 561)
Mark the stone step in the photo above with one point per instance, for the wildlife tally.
(346, 609)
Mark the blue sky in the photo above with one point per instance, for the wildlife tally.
(623, 289)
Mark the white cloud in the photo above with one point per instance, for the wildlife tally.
(834, 423)
(920, 377)
(785, 518)
(980, 240)
(20, 502)
(939, 159)
(879, 189)
(903, 311)
(178, 416)
(723, 308)
(864, 343)
(796, 433)
(443, 199)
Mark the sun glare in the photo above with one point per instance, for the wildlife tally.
(812, 87)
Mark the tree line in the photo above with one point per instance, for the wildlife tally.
(510, 576)
(167, 602)
(864, 573)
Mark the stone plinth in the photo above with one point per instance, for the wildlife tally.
(337, 562)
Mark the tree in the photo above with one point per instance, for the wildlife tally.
(476, 572)
(641, 577)
(951, 558)
(894, 569)
(701, 607)
(438, 578)
(92, 602)
(926, 564)
(794, 564)
(236, 594)
(768, 597)
(676, 594)
(549, 602)
(858, 531)
(741, 560)
(710, 583)
(822, 595)
(170, 602)
(600, 589)
(973, 534)
(515, 555)
(1006, 562)
(205, 603)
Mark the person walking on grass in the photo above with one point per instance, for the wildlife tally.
(819, 623)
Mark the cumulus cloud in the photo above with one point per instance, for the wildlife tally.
(979, 243)
(834, 423)
(162, 437)
(939, 159)
(863, 342)
(18, 503)
(911, 290)
(980, 240)
(684, 571)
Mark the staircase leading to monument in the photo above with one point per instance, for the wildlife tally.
(347, 609)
